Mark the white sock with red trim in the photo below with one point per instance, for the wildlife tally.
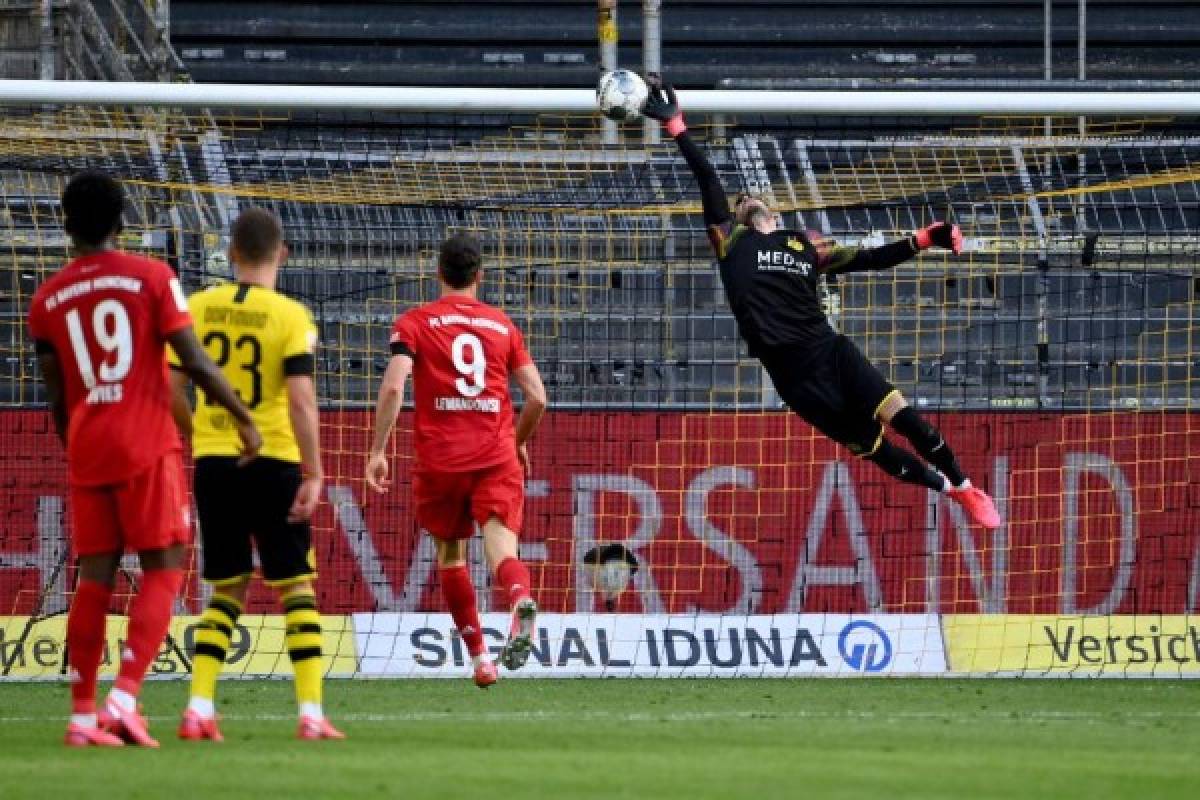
(312, 710)
(203, 706)
(122, 700)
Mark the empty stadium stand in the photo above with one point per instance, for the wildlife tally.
(106, 40)
(495, 43)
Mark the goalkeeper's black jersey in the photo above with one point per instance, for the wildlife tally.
(770, 280)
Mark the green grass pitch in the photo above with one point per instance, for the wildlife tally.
(883, 738)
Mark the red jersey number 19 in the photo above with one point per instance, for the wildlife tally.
(473, 367)
(110, 325)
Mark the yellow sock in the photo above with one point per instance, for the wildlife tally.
(213, 633)
(304, 643)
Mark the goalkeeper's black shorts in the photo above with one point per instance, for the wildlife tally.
(834, 388)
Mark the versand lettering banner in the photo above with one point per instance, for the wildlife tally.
(738, 514)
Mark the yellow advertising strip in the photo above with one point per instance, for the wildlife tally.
(257, 647)
(1167, 646)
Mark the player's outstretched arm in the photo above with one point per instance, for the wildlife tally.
(201, 369)
(530, 381)
(663, 106)
(836, 259)
(302, 408)
(387, 407)
(53, 378)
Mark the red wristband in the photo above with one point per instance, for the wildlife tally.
(923, 239)
(675, 125)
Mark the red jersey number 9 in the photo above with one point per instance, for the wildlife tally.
(471, 362)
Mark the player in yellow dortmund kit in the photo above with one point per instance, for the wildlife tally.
(264, 343)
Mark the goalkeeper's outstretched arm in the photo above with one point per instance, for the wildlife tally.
(663, 106)
(834, 259)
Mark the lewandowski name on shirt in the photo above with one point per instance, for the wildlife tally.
(488, 405)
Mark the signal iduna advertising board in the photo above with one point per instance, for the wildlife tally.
(662, 645)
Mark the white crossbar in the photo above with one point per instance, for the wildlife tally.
(468, 99)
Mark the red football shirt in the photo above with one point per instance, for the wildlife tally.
(107, 317)
(463, 352)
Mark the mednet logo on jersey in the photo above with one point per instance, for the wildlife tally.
(664, 645)
(782, 261)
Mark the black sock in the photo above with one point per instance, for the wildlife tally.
(903, 465)
(929, 443)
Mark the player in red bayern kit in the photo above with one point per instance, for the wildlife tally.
(100, 326)
(471, 463)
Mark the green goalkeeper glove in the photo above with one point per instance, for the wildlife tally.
(663, 106)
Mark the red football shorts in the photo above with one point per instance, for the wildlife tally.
(447, 503)
(147, 512)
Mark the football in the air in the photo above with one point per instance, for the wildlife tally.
(621, 94)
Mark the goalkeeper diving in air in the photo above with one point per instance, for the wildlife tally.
(770, 276)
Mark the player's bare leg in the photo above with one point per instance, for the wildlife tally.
(500, 549)
(928, 441)
(85, 648)
(149, 619)
(213, 635)
(460, 598)
(304, 648)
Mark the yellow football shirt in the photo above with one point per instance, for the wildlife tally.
(258, 337)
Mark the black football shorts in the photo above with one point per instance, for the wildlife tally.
(835, 389)
(240, 505)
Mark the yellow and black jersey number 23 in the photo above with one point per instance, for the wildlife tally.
(249, 352)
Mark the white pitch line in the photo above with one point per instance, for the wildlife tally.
(693, 716)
